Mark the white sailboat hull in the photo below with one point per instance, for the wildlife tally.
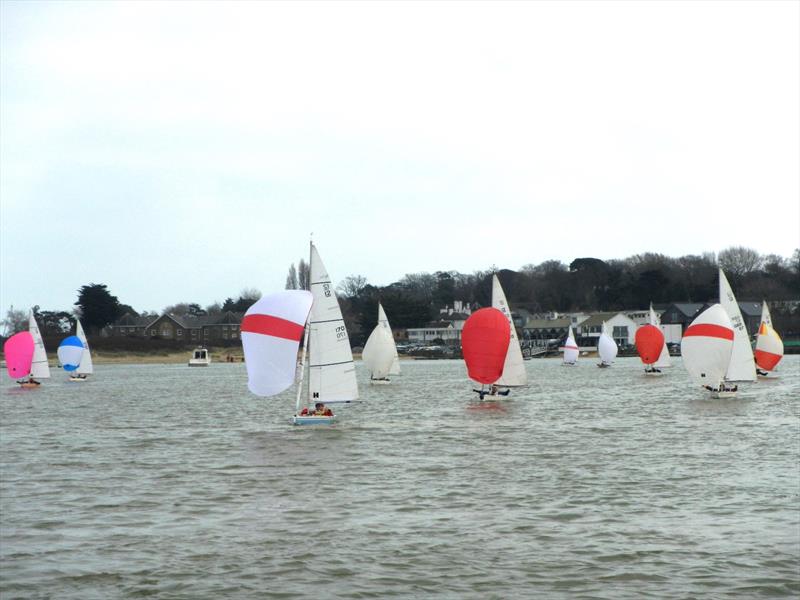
(313, 420)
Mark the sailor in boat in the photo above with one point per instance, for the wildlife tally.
(651, 369)
(30, 381)
(761, 373)
(320, 410)
(492, 391)
(722, 388)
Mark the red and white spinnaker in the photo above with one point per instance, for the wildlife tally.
(707, 345)
(271, 332)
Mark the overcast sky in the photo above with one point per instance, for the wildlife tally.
(185, 151)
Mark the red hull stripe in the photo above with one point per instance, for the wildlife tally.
(274, 326)
(709, 330)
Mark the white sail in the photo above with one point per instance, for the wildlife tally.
(742, 366)
(384, 321)
(765, 316)
(86, 367)
(514, 373)
(707, 345)
(663, 358)
(606, 347)
(570, 348)
(332, 375)
(378, 355)
(39, 367)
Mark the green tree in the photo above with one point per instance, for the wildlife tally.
(98, 307)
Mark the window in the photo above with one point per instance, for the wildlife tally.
(180, 332)
(153, 332)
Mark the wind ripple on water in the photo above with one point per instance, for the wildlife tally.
(173, 482)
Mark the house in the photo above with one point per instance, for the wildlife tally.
(620, 326)
(205, 329)
(128, 325)
(540, 332)
(676, 318)
(436, 330)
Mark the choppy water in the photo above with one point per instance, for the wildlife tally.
(173, 482)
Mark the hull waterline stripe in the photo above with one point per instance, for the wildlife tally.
(274, 326)
(709, 330)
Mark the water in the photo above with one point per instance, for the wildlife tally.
(165, 481)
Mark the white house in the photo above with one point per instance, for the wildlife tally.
(621, 327)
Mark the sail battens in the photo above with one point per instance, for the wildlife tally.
(346, 362)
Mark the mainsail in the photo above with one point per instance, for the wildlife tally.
(332, 375)
(86, 367)
(384, 322)
(40, 369)
(742, 366)
(514, 373)
(570, 348)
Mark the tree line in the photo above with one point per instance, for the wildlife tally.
(585, 284)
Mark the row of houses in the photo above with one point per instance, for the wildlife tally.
(206, 329)
(541, 330)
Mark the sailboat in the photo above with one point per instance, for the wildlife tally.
(570, 349)
(663, 358)
(40, 369)
(271, 332)
(484, 344)
(70, 352)
(769, 346)
(383, 320)
(649, 341)
(380, 352)
(18, 352)
(707, 347)
(742, 366)
(85, 367)
(514, 374)
(606, 348)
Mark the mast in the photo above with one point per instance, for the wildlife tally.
(306, 335)
(302, 367)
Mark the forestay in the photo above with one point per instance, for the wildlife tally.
(271, 332)
(514, 373)
(332, 376)
(742, 366)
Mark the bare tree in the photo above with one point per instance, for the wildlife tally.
(352, 285)
(249, 294)
(303, 275)
(15, 321)
(291, 278)
(739, 261)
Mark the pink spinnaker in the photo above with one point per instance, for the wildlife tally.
(18, 351)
